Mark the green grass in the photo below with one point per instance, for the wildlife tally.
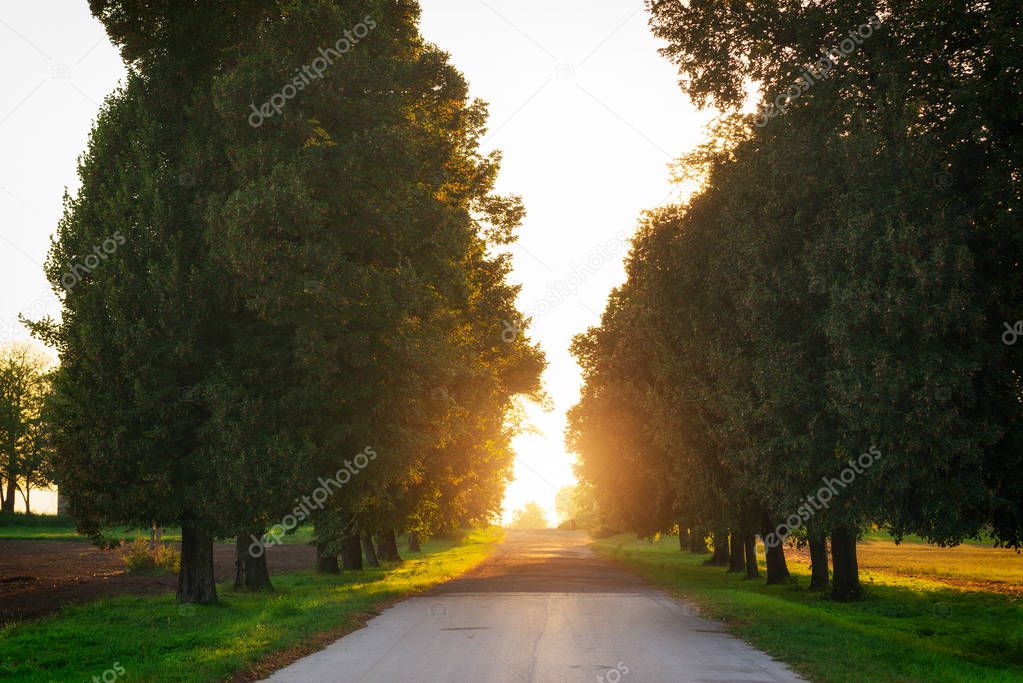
(904, 631)
(21, 519)
(23, 527)
(155, 639)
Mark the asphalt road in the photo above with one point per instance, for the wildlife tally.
(542, 609)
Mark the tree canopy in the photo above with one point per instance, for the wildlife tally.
(831, 300)
(286, 298)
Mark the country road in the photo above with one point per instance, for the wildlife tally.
(543, 608)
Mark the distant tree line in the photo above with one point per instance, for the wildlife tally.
(829, 311)
(529, 516)
(318, 294)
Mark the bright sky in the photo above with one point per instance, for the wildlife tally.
(588, 116)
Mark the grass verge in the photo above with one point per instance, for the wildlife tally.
(155, 639)
(904, 631)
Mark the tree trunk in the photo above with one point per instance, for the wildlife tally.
(413, 542)
(736, 553)
(777, 569)
(387, 546)
(12, 486)
(683, 537)
(846, 584)
(698, 541)
(819, 578)
(326, 563)
(196, 583)
(720, 541)
(61, 504)
(250, 570)
(369, 551)
(351, 552)
(749, 545)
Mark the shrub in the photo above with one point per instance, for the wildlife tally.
(139, 558)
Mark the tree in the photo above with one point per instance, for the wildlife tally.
(577, 503)
(281, 289)
(529, 516)
(781, 335)
(153, 319)
(24, 451)
(364, 228)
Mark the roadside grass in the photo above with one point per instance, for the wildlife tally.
(906, 630)
(155, 639)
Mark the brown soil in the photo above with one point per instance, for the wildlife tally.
(40, 577)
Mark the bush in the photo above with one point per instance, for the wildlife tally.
(139, 558)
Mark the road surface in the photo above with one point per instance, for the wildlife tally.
(542, 609)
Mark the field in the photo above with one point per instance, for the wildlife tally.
(51, 528)
(244, 637)
(39, 577)
(930, 615)
(968, 567)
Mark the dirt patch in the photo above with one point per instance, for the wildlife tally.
(40, 577)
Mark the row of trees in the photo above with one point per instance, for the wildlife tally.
(839, 286)
(287, 297)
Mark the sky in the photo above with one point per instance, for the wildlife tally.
(587, 114)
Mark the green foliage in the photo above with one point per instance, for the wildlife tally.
(141, 558)
(287, 294)
(363, 227)
(839, 283)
